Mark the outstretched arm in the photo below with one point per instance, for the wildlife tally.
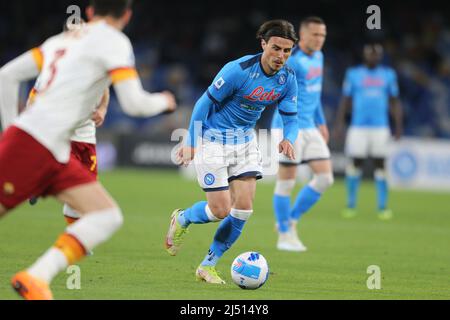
(288, 112)
(290, 133)
(290, 126)
(137, 102)
(199, 115)
(22, 68)
(222, 87)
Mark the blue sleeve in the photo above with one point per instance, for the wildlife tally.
(290, 128)
(224, 84)
(277, 123)
(287, 108)
(199, 116)
(347, 88)
(393, 85)
(319, 117)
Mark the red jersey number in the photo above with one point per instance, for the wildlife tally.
(53, 69)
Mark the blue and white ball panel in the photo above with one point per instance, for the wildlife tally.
(218, 164)
(309, 146)
(367, 142)
(249, 270)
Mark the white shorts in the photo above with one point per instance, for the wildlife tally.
(367, 142)
(308, 147)
(218, 164)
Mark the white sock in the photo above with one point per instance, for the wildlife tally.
(49, 265)
(90, 230)
(211, 215)
(69, 212)
(96, 227)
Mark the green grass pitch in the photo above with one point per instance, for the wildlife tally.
(412, 250)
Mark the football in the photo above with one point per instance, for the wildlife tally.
(249, 270)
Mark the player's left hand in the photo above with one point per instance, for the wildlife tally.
(286, 148)
(98, 117)
(324, 132)
(185, 155)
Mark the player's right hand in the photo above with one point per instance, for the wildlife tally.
(185, 155)
(171, 101)
(286, 148)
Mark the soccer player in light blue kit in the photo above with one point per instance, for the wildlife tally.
(227, 159)
(311, 145)
(370, 91)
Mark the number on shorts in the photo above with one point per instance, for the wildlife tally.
(94, 163)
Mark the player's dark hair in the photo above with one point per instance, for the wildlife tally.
(114, 8)
(277, 28)
(311, 19)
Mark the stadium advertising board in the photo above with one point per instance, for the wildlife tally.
(420, 164)
(140, 151)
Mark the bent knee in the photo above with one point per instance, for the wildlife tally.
(284, 187)
(322, 181)
(220, 211)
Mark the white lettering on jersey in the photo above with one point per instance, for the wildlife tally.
(219, 83)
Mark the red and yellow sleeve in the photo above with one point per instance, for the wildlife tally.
(38, 57)
(122, 74)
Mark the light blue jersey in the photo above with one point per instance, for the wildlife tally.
(240, 92)
(370, 90)
(309, 73)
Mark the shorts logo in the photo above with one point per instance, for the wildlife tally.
(282, 79)
(8, 188)
(209, 179)
(219, 83)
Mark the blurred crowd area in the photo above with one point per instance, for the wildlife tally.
(181, 45)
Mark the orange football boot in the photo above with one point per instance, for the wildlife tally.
(31, 288)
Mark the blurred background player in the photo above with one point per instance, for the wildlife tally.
(83, 141)
(35, 150)
(228, 161)
(370, 91)
(311, 145)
